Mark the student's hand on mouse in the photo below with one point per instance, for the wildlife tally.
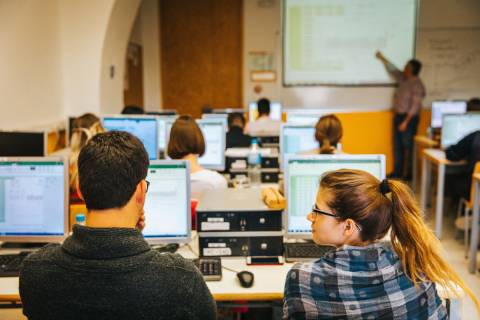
(141, 221)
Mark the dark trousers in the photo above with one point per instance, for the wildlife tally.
(403, 146)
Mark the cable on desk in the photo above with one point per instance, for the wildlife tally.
(231, 270)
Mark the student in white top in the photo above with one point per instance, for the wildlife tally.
(187, 142)
(328, 133)
(264, 126)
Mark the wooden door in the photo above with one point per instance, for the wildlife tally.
(201, 54)
(133, 81)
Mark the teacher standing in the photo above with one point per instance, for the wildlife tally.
(407, 104)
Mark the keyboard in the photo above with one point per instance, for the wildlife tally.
(211, 268)
(304, 251)
(10, 264)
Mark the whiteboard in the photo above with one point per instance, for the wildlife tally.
(451, 63)
(334, 42)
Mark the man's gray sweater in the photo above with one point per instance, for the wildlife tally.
(111, 274)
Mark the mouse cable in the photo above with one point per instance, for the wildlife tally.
(231, 270)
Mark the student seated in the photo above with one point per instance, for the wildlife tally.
(106, 270)
(264, 126)
(235, 136)
(132, 110)
(187, 142)
(328, 133)
(365, 278)
(84, 128)
(473, 105)
(468, 148)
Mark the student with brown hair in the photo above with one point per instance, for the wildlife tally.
(187, 142)
(328, 133)
(365, 278)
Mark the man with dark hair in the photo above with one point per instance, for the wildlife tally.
(132, 110)
(106, 269)
(264, 125)
(473, 105)
(407, 106)
(236, 138)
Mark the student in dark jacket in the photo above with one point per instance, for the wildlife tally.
(235, 136)
(468, 148)
(106, 270)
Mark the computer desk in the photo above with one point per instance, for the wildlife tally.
(268, 286)
(438, 158)
(472, 258)
(420, 141)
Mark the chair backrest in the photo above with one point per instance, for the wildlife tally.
(476, 169)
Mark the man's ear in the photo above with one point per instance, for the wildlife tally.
(140, 192)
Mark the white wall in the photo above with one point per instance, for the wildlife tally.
(83, 28)
(114, 50)
(30, 73)
(146, 33)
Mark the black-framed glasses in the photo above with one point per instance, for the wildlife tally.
(148, 184)
(316, 210)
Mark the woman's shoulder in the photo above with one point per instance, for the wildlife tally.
(210, 176)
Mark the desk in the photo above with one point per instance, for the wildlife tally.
(435, 157)
(472, 258)
(419, 141)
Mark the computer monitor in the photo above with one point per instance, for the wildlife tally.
(228, 111)
(295, 138)
(23, 144)
(275, 111)
(144, 127)
(302, 178)
(439, 108)
(167, 204)
(457, 126)
(163, 123)
(33, 199)
(214, 133)
(306, 116)
(218, 116)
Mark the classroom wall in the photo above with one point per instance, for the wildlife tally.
(146, 33)
(30, 75)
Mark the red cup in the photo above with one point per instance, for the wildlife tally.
(193, 209)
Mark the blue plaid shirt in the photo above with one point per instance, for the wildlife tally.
(358, 283)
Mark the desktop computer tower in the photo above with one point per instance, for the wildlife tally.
(236, 222)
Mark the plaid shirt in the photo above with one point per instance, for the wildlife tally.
(358, 283)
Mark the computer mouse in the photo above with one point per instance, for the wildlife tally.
(245, 278)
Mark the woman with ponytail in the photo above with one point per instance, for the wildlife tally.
(83, 129)
(328, 133)
(365, 278)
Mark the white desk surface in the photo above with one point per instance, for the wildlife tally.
(439, 156)
(269, 281)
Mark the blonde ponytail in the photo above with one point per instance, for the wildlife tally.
(417, 246)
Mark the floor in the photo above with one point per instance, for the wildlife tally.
(454, 254)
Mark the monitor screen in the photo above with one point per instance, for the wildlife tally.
(22, 144)
(306, 116)
(439, 108)
(457, 126)
(143, 127)
(164, 122)
(275, 111)
(302, 177)
(33, 200)
(167, 204)
(214, 133)
(296, 139)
